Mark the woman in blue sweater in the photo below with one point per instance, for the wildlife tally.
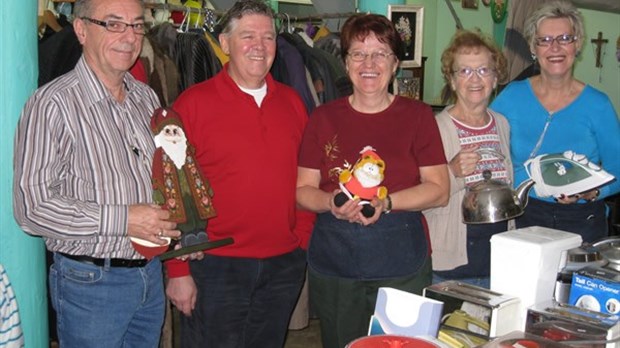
(552, 113)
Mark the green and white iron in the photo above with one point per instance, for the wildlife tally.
(565, 173)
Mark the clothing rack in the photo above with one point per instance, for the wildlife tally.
(280, 15)
(322, 16)
(181, 8)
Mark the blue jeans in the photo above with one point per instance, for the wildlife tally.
(107, 307)
(586, 219)
(478, 269)
(243, 302)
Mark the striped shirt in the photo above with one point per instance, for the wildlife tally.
(11, 335)
(485, 137)
(81, 158)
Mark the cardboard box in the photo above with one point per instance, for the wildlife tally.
(402, 313)
(596, 289)
(525, 263)
(486, 312)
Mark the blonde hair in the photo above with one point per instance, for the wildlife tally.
(551, 10)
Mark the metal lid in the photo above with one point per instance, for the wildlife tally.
(489, 184)
(609, 248)
(583, 254)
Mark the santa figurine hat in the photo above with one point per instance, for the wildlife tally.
(369, 151)
(163, 117)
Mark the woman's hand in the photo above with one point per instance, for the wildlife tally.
(589, 196)
(380, 205)
(464, 162)
(350, 210)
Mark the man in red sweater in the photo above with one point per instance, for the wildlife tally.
(246, 129)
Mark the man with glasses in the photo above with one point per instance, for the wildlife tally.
(82, 158)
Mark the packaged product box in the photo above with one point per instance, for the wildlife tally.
(596, 289)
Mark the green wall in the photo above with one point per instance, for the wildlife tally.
(585, 70)
(23, 257)
(439, 26)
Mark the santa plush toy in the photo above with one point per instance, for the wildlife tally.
(179, 185)
(362, 181)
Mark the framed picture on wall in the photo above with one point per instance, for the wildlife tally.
(473, 4)
(407, 87)
(409, 22)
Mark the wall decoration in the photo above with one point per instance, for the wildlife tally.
(486, 2)
(473, 4)
(409, 21)
(407, 87)
(498, 10)
(618, 49)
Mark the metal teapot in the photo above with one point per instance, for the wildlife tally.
(491, 201)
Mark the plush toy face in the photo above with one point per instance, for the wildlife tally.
(369, 171)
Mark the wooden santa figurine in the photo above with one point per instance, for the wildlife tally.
(179, 185)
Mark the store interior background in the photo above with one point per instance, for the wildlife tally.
(24, 257)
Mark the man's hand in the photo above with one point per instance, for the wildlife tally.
(149, 222)
(182, 293)
(197, 255)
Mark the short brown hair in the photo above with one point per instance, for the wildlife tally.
(359, 26)
(242, 8)
(465, 41)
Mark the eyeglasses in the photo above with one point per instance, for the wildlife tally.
(118, 26)
(482, 71)
(563, 40)
(380, 57)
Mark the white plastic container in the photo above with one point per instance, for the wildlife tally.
(525, 263)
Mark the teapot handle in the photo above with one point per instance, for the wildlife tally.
(491, 152)
(606, 241)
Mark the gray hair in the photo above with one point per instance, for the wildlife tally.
(85, 8)
(555, 9)
(242, 8)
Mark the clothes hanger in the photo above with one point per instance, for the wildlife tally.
(288, 28)
(184, 26)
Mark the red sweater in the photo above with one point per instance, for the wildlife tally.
(249, 153)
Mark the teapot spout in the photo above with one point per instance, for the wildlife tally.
(522, 192)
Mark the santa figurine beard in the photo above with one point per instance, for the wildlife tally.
(172, 140)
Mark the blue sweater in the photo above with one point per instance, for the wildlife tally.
(589, 125)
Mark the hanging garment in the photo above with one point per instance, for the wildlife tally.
(321, 32)
(516, 48)
(288, 68)
(58, 54)
(195, 59)
(162, 72)
(215, 46)
(328, 74)
(11, 335)
(164, 36)
(330, 44)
